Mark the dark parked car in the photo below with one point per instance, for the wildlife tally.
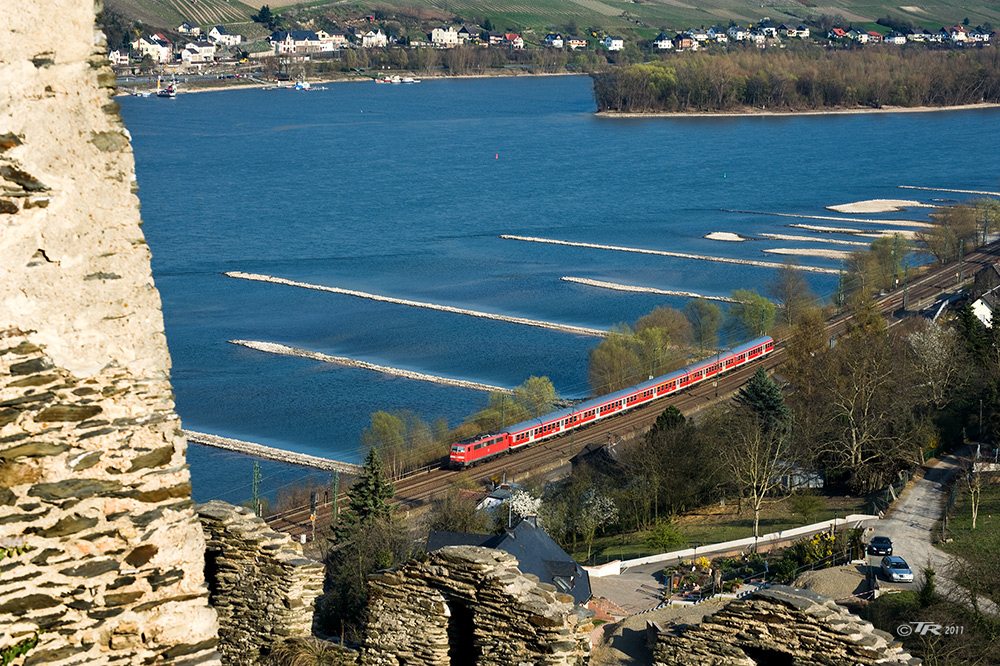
(895, 569)
(880, 545)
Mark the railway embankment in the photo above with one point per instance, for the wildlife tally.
(271, 453)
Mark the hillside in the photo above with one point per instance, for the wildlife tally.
(631, 18)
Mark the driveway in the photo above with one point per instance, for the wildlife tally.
(911, 525)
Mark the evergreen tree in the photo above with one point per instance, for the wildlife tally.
(762, 396)
(368, 499)
(669, 419)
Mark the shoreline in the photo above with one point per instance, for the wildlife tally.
(195, 88)
(211, 86)
(806, 112)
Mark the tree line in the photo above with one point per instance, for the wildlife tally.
(801, 79)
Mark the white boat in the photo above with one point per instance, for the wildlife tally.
(302, 84)
(410, 79)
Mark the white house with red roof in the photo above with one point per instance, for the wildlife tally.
(513, 40)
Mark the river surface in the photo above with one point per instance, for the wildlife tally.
(404, 191)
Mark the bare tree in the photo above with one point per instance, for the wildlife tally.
(755, 455)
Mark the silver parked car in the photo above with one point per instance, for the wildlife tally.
(895, 569)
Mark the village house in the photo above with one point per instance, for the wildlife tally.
(768, 29)
(331, 41)
(837, 33)
(198, 52)
(662, 42)
(987, 304)
(955, 34)
(553, 40)
(756, 36)
(154, 46)
(800, 32)
(859, 36)
(613, 43)
(374, 40)
(874, 37)
(575, 43)
(220, 35)
(737, 33)
(443, 37)
(684, 41)
(298, 41)
(894, 37)
(718, 35)
(495, 38)
(513, 41)
(466, 36)
(700, 35)
(118, 57)
(188, 29)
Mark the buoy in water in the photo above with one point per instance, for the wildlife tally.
(497, 156)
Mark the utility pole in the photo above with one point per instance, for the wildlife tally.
(255, 488)
(906, 272)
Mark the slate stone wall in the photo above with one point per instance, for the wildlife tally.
(101, 555)
(472, 606)
(780, 625)
(262, 586)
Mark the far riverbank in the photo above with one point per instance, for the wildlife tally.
(806, 112)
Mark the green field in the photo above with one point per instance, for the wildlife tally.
(631, 18)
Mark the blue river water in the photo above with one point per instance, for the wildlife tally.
(404, 191)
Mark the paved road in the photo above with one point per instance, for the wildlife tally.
(911, 524)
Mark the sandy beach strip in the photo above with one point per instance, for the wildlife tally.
(850, 220)
(664, 253)
(813, 239)
(284, 350)
(941, 189)
(809, 252)
(643, 290)
(565, 328)
(725, 236)
(878, 206)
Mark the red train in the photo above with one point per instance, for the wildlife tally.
(473, 451)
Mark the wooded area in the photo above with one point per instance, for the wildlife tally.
(801, 80)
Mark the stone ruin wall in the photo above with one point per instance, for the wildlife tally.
(101, 550)
(780, 625)
(262, 586)
(471, 606)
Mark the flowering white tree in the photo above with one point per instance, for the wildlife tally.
(522, 504)
(596, 511)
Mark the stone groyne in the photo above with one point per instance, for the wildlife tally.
(275, 348)
(665, 253)
(942, 189)
(272, 453)
(834, 218)
(643, 290)
(810, 239)
(565, 328)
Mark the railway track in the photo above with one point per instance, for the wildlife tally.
(414, 491)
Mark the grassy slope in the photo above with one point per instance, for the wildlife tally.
(630, 18)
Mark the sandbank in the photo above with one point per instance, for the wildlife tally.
(724, 236)
(878, 206)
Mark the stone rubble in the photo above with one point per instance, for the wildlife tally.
(780, 625)
(262, 586)
(471, 605)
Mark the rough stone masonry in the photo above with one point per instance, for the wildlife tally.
(101, 555)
